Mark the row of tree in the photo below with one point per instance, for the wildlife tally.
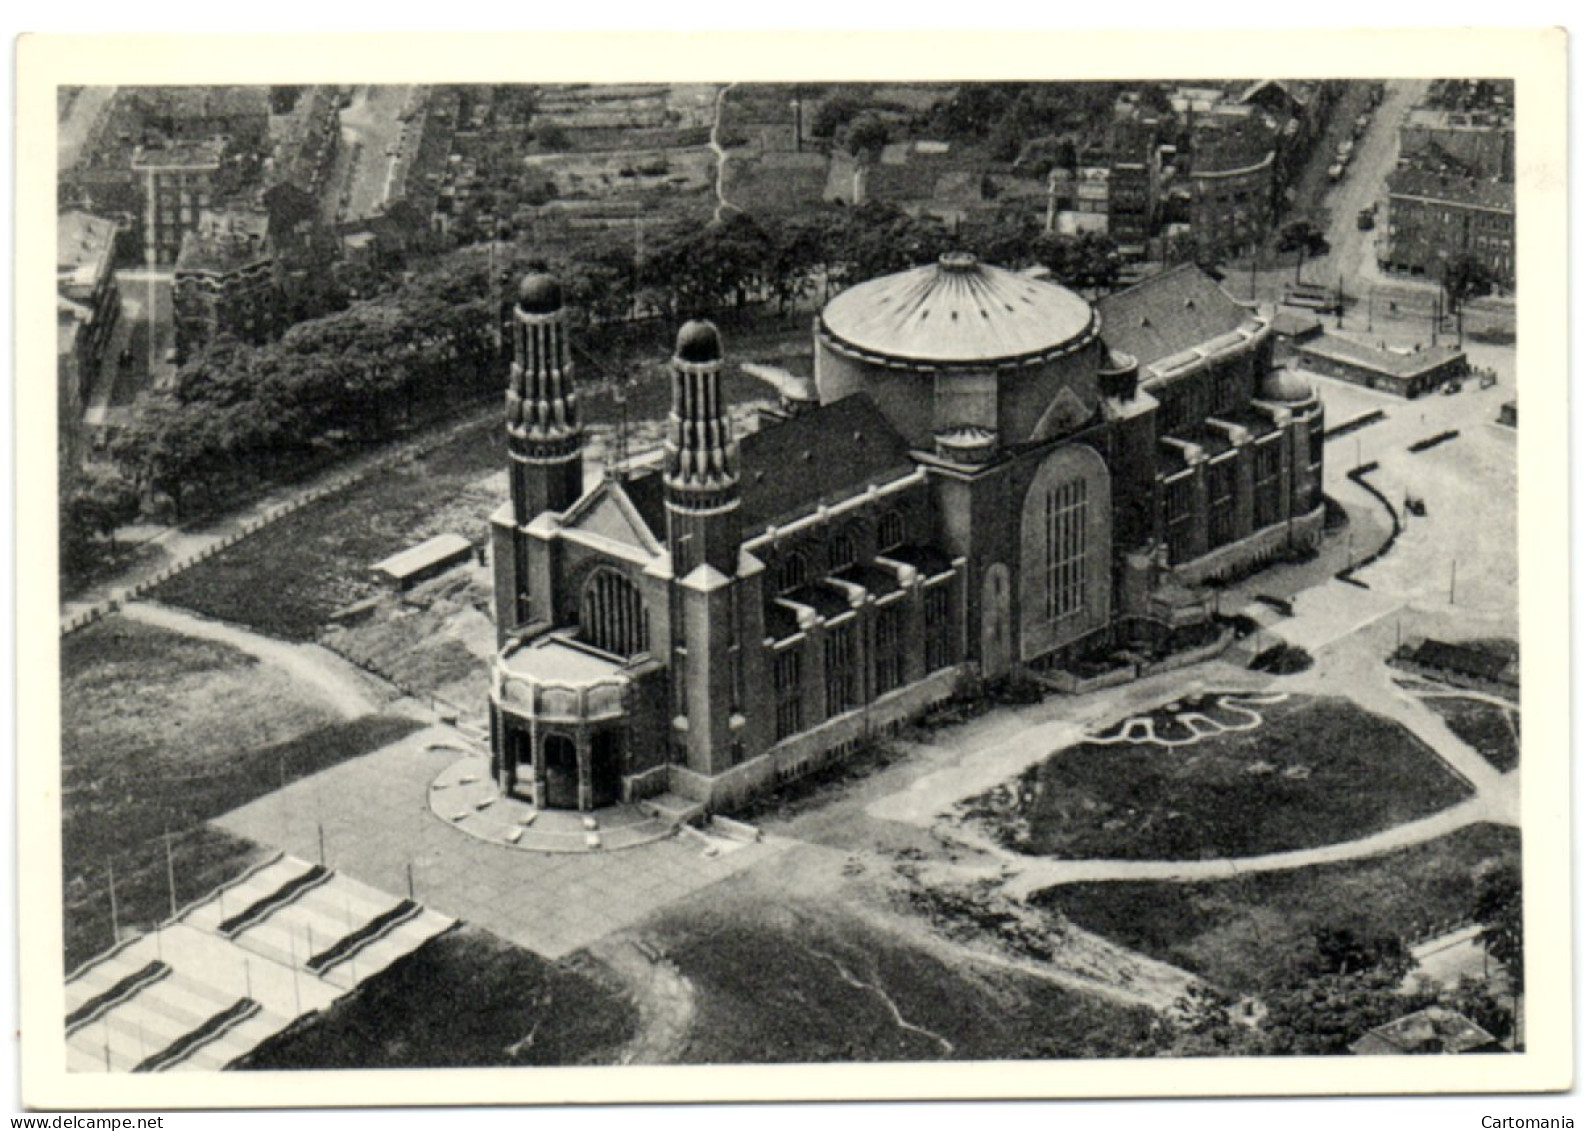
(238, 416)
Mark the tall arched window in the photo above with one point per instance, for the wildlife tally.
(611, 615)
(792, 572)
(843, 550)
(891, 532)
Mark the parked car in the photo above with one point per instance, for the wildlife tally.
(1366, 219)
(1452, 387)
(1335, 173)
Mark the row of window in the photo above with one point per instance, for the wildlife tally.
(795, 568)
(1221, 496)
(1186, 403)
(842, 662)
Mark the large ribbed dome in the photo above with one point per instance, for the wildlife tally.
(957, 312)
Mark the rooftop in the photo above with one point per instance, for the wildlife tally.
(83, 247)
(433, 552)
(557, 661)
(956, 311)
(1471, 191)
(225, 240)
(1431, 1030)
(179, 155)
(822, 455)
(1168, 314)
(1390, 362)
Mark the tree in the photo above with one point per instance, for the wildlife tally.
(1305, 240)
(832, 114)
(1498, 906)
(866, 136)
(105, 501)
(1323, 1016)
(1464, 277)
(552, 137)
(1341, 950)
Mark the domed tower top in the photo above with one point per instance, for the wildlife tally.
(543, 431)
(539, 293)
(1284, 386)
(698, 343)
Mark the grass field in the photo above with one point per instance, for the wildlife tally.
(1491, 730)
(1317, 771)
(290, 577)
(1247, 933)
(468, 999)
(789, 982)
(160, 733)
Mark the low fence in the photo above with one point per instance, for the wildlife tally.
(1432, 441)
(1354, 425)
(1346, 574)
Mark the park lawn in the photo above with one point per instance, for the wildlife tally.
(1317, 771)
(466, 999)
(783, 981)
(1491, 730)
(1250, 932)
(160, 733)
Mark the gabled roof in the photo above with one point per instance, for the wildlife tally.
(1168, 314)
(825, 454)
(609, 512)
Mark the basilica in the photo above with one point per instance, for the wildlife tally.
(987, 475)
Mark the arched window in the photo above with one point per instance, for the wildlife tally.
(892, 531)
(843, 550)
(611, 615)
(792, 572)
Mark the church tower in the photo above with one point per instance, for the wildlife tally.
(544, 437)
(701, 459)
(715, 606)
(544, 443)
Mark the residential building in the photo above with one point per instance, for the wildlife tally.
(178, 184)
(225, 281)
(88, 307)
(1231, 183)
(1432, 216)
(1471, 143)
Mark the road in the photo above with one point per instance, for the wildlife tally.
(1365, 183)
(371, 129)
(73, 130)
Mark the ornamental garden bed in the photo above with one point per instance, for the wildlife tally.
(1314, 771)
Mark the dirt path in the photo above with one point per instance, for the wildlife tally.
(335, 682)
(722, 204)
(665, 1001)
(1030, 874)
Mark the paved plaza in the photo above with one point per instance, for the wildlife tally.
(373, 817)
